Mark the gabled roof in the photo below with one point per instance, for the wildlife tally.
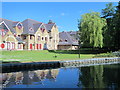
(49, 26)
(15, 23)
(29, 23)
(66, 36)
(73, 32)
(36, 26)
(10, 24)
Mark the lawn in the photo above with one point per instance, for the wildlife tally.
(42, 55)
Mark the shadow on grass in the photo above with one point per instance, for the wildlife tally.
(6, 62)
(96, 51)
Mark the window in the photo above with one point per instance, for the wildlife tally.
(19, 46)
(42, 38)
(38, 38)
(19, 35)
(8, 45)
(60, 40)
(45, 38)
(31, 37)
(31, 30)
(14, 35)
(42, 28)
(13, 45)
(65, 40)
(24, 37)
(19, 26)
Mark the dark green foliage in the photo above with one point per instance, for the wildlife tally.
(111, 37)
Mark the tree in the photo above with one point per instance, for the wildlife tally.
(109, 10)
(117, 26)
(90, 26)
(112, 30)
(108, 31)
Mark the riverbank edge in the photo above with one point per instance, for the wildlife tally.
(62, 60)
(55, 64)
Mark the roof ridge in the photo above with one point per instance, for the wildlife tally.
(9, 20)
(33, 20)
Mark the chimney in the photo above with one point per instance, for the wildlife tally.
(50, 21)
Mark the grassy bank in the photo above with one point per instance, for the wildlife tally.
(44, 55)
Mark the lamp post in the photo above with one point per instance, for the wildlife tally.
(79, 44)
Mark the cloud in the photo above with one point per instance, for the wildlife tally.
(60, 27)
(50, 16)
(62, 14)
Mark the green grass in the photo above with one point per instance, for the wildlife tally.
(43, 55)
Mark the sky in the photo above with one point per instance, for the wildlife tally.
(64, 14)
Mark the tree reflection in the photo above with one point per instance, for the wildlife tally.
(101, 76)
(91, 77)
(111, 76)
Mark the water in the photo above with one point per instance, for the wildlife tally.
(99, 76)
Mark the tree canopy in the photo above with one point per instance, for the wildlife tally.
(90, 26)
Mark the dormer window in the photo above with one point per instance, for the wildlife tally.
(65, 40)
(19, 26)
(31, 29)
(14, 34)
(42, 28)
(60, 40)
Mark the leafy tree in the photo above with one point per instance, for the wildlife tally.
(90, 26)
(108, 31)
(109, 10)
(117, 26)
(112, 30)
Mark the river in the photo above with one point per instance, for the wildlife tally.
(97, 76)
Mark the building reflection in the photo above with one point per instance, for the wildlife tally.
(27, 77)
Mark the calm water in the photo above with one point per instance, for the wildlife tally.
(99, 76)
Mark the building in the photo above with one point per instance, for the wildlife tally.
(28, 35)
(67, 41)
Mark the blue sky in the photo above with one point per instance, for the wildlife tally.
(65, 14)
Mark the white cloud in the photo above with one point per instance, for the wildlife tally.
(50, 16)
(62, 14)
(60, 27)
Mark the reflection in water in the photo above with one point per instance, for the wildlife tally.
(99, 76)
(28, 77)
(91, 77)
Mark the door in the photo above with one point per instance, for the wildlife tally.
(13, 46)
(37, 46)
(40, 46)
(30, 46)
(8, 45)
